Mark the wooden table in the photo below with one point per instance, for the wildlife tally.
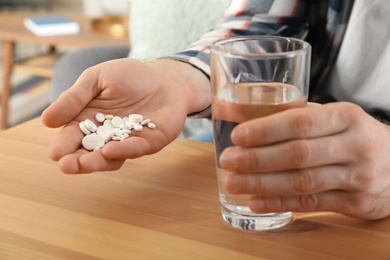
(12, 31)
(163, 206)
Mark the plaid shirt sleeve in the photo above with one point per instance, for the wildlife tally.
(321, 22)
(248, 17)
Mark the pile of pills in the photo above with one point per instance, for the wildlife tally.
(113, 128)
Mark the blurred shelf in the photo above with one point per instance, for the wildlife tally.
(41, 65)
(30, 4)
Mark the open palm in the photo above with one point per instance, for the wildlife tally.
(120, 88)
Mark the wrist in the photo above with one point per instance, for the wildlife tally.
(192, 82)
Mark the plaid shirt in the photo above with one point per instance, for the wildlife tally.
(320, 22)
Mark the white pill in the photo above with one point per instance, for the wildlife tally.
(90, 125)
(116, 138)
(130, 125)
(115, 131)
(145, 122)
(124, 131)
(99, 117)
(108, 123)
(117, 121)
(138, 127)
(151, 125)
(99, 143)
(112, 128)
(105, 132)
(135, 118)
(90, 142)
(84, 129)
(124, 136)
(124, 127)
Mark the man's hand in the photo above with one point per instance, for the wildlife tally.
(163, 90)
(333, 157)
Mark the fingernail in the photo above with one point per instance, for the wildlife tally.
(226, 159)
(239, 136)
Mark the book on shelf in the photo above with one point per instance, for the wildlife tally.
(51, 25)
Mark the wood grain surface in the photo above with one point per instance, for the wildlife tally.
(162, 206)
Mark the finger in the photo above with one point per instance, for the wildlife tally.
(71, 102)
(354, 205)
(95, 161)
(291, 124)
(147, 142)
(295, 154)
(110, 157)
(70, 163)
(298, 182)
(313, 104)
(87, 162)
(327, 201)
(67, 141)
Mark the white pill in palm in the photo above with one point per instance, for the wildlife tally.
(90, 142)
(151, 125)
(90, 125)
(105, 132)
(124, 131)
(135, 118)
(117, 121)
(116, 138)
(124, 136)
(108, 123)
(100, 117)
(100, 142)
(112, 128)
(124, 127)
(138, 127)
(115, 131)
(145, 122)
(130, 125)
(84, 129)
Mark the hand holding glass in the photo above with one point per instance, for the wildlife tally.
(253, 77)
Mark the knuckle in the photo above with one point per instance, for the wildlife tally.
(352, 112)
(367, 149)
(366, 179)
(359, 204)
(368, 144)
(301, 182)
(251, 135)
(298, 153)
(308, 203)
(302, 125)
(253, 160)
(257, 184)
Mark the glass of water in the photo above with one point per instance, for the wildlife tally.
(253, 77)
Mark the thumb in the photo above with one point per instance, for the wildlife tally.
(72, 101)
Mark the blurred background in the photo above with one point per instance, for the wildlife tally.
(30, 92)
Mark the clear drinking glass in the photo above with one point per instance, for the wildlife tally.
(252, 77)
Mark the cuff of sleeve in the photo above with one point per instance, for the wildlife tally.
(205, 113)
(197, 59)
